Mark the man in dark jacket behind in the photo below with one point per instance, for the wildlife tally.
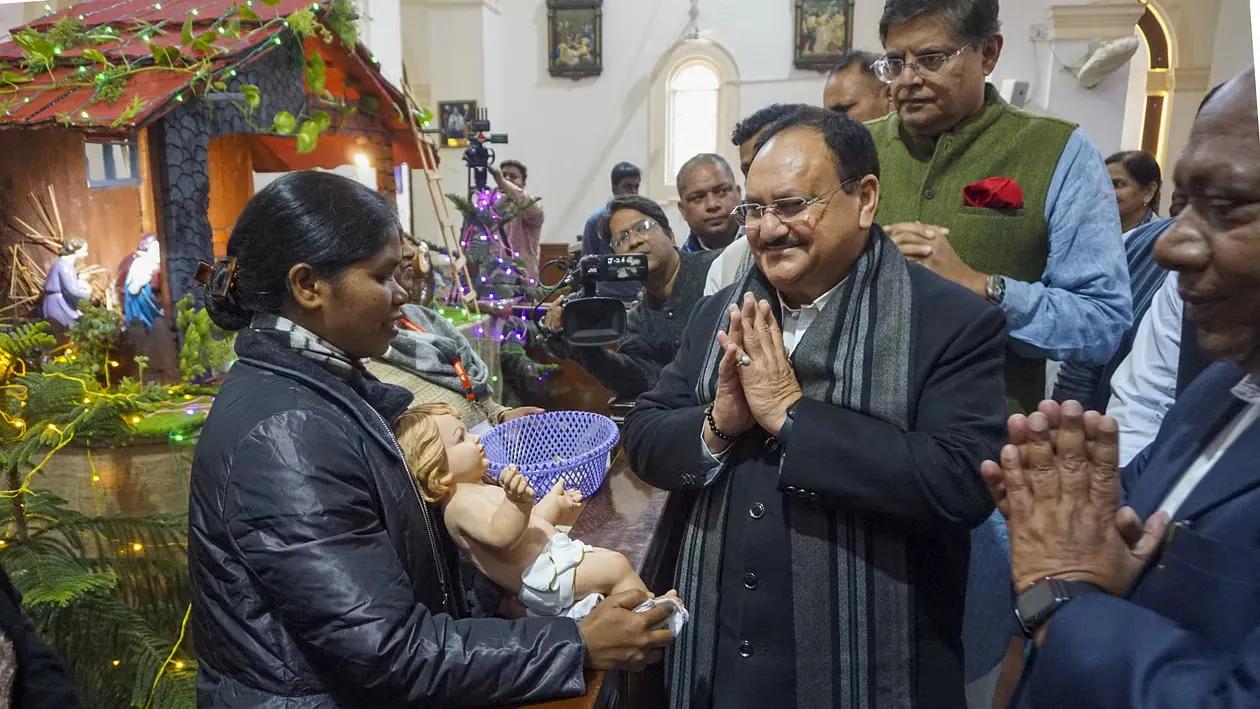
(654, 327)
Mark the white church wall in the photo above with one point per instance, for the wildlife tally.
(570, 133)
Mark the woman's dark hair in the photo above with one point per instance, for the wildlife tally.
(318, 218)
(972, 21)
(649, 208)
(1144, 170)
(849, 141)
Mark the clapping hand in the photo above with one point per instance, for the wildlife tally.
(1058, 485)
(765, 373)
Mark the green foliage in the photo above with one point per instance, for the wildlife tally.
(253, 97)
(302, 22)
(110, 595)
(308, 136)
(284, 123)
(186, 32)
(315, 70)
(422, 116)
(38, 52)
(132, 110)
(163, 424)
(54, 579)
(67, 33)
(95, 335)
(343, 18)
(23, 342)
(193, 55)
(207, 349)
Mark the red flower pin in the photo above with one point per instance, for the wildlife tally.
(994, 193)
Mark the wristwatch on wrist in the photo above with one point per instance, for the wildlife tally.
(1040, 601)
(786, 429)
(994, 289)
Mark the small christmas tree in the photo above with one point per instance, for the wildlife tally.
(501, 280)
(110, 595)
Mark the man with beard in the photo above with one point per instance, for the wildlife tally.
(674, 284)
(1124, 615)
(824, 411)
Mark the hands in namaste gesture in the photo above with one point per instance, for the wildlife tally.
(756, 383)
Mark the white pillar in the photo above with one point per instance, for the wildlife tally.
(1072, 30)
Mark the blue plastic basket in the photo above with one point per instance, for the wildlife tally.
(573, 445)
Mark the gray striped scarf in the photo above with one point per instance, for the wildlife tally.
(849, 574)
(309, 345)
(431, 354)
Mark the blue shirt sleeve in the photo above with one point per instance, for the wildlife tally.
(590, 234)
(1081, 307)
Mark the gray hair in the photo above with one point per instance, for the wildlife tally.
(972, 21)
(703, 159)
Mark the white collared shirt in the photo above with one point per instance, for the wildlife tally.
(1248, 390)
(796, 321)
(1144, 386)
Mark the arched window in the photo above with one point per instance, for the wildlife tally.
(692, 106)
(693, 112)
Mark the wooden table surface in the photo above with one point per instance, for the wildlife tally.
(624, 515)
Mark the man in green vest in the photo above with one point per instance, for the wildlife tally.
(1015, 207)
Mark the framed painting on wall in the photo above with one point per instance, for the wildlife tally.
(575, 38)
(454, 116)
(823, 31)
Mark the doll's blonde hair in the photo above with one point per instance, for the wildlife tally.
(421, 443)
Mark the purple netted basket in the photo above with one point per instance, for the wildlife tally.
(573, 445)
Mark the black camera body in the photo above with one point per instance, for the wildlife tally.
(592, 321)
(477, 156)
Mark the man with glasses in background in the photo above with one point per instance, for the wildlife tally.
(822, 411)
(1015, 207)
(654, 326)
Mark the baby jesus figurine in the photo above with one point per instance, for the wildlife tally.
(511, 540)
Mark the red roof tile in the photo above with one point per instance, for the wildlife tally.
(48, 100)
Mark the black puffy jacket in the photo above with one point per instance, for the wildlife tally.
(319, 578)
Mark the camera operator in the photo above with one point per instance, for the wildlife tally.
(674, 284)
(524, 233)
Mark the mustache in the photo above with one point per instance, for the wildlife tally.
(786, 241)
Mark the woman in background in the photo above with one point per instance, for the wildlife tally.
(1136, 178)
(1137, 181)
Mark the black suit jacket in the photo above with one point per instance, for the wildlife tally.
(923, 482)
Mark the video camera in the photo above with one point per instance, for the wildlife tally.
(477, 156)
(592, 321)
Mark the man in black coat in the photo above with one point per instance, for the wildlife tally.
(828, 411)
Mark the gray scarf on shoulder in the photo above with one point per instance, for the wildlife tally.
(431, 354)
(849, 574)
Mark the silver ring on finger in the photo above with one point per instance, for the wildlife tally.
(744, 360)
